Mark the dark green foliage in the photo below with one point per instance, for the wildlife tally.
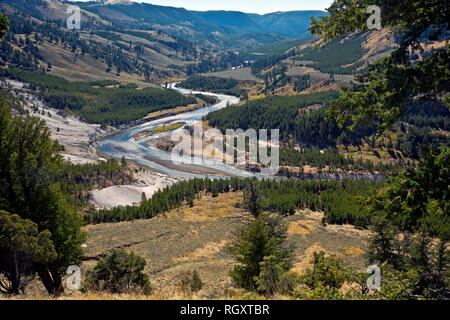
(328, 276)
(331, 57)
(77, 180)
(28, 163)
(312, 128)
(196, 282)
(433, 117)
(331, 157)
(275, 78)
(119, 272)
(268, 62)
(425, 125)
(357, 105)
(25, 57)
(280, 48)
(419, 198)
(340, 200)
(411, 210)
(3, 25)
(212, 84)
(21, 248)
(259, 244)
(208, 83)
(285, 113)
(271, 276)
(220, 62)
(104, 83)
(418, 257)
(400, 79)
(327, 273)
(384, 244)
(101, 105)
(208, 99)
(302, 83)
(275, 113)
(252, 200)
(13, 102)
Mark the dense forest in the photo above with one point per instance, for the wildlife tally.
(339, 200)
(277, 112)
(208, 99)
(212, 84)
(302, 83)
(102, 105)
(312, 127)
(337, 57)
(268, 62)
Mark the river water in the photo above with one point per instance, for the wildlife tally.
(123, 144)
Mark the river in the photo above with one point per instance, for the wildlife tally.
(122, 143)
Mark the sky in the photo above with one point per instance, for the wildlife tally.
(251, 6)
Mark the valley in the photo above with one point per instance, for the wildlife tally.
(112, 154)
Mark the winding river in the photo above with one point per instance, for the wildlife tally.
(123, 144)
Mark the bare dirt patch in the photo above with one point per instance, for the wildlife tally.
(127, 195)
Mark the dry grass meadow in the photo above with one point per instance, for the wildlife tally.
(196, 238)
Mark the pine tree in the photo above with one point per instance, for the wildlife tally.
(21, 248)
(119, 272)
(264, 237)
(29, 188)
(384, 246)
(252, 200)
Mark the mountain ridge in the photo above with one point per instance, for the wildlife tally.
(292, 24)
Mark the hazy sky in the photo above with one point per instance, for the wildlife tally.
(253, 6)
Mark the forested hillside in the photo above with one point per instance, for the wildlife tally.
(100, 104)
(309, 127)
(39, 39)
(212, 84)
(290, 114)
(214, 28)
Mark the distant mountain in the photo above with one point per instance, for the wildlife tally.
(211, 25)
(238, 21)
(293, 23)
(139, 42)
